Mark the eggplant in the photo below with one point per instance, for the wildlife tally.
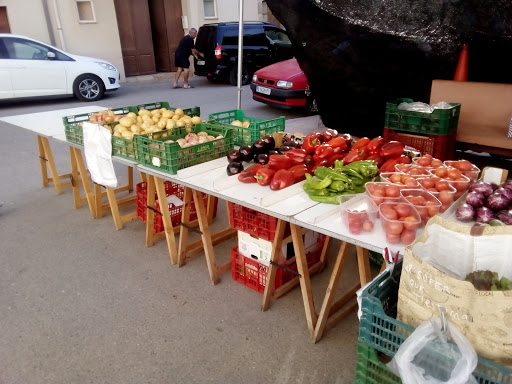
(246, 153)
(259, 146)
(273, 152)
(269, 141)
(234, 168)
(284, 148)
(262, 159)
(234, 155)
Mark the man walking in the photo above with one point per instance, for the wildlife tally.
(182, 55)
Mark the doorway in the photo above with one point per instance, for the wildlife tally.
(4, 21)
(150, 31)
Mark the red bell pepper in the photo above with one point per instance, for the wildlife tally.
(264, 175)
(389, 165)
(299, 172)
(322, 163)
(329, 134)
(282, 179)
(247, 175)
(337, 156)
(348, 138)
(338, 144)
(404, 159)
(279, 162)
(356, 155)
(377, 158)
(323, 151)
(375, 144)
(297, 156)
(361, 143)
(392, 149)
(312, 141)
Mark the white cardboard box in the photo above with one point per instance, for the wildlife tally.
(260, 250)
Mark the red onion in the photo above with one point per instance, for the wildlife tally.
(475, 199)
(507, 192)
(484, 215)
(497, 201)
(465, 213)
(505, 216)
(482, 187)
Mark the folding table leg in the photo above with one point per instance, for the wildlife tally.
(77, 199)
(363, 262)
(272, 270)
(86, 183)
(46, 156)
(185, 221)
(166, 218)
(305, 282)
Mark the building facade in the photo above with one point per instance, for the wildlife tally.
(138, 36)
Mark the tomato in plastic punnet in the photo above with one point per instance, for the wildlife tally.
(445, 197)
(436, 163)
(392, 238)
(392, 191)
(410, 222)
(407, 236)
(463, 165)
(454, 174)
(395, 178)
(411, 182)
(427, 182)
(442, 185)
(403, 209)
(423, 161)
(441, 172)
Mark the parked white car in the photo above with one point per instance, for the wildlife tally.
(31, 68)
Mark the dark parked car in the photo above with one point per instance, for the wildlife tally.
(283, 85)
(263, 44)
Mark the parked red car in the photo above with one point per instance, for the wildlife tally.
(283, 85)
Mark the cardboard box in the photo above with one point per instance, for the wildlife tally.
(260, 250)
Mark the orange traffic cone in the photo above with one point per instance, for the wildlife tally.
(461, 73)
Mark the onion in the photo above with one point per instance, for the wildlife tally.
(475, 199)
(465, 213)
(482, 187)
(497, 201)
(484, 215)
(507, 192)
(507, 184)
(505, 216)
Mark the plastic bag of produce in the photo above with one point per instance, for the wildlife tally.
(98, 154)
(434, 270)
(428, 357)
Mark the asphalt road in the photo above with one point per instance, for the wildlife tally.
(83, 303)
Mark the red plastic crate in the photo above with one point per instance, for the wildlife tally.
(170, 189)
(254, 274)
(253, 222)
(439, 146)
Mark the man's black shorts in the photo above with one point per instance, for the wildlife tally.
(181, 61)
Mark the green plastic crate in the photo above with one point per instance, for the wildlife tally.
(380, 329)
(439, 122)
(370, 369)
(257, 129)
(73, 124)
(194, 111)
(170, 157)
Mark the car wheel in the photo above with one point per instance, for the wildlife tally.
(233, 75)
(88, 88)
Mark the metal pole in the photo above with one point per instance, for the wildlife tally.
(240, 52)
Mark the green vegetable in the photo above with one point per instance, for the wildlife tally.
(338, 185)
(323, 172)
(318, 184)
(325, 199)
(489, 281)
(315, 192)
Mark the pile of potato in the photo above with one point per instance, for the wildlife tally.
(144, 121)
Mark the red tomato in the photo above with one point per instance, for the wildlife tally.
(444, 207)
(432, 208)
(410, 222)
(390, 214)
(392, 191)
(461, 184)
(436, 163)
(395, 178)
(442, 185)
(411, 182)
(416, 172)
(463, 165)
(423, 161)
(403, 209)
(441, 172)
(408, 236)
(392, 238)
(445, 197)
(395, 227)
(371, 187)
(368, 226)
(428, 182)
(454, 174)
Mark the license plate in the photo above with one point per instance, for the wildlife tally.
(264, 90)
(200, 62)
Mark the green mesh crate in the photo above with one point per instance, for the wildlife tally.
(257, 129)
(380, 329)
(439, 122)
(194, 111)
(155, 153)
(73, 124)
(370, 369)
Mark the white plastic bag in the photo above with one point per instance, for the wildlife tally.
(426, 357)
(98, 154)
